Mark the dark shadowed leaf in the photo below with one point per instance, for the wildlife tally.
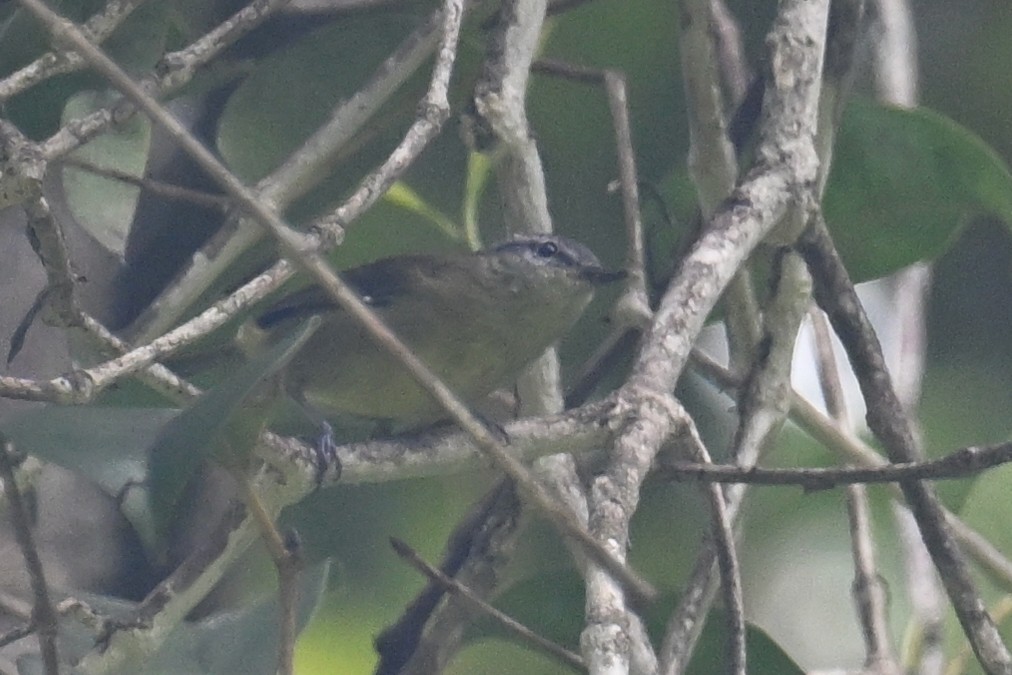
(105, 206)
(196, 434)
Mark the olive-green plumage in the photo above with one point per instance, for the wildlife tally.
(475, 319)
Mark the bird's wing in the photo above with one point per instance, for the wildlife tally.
(379, 284)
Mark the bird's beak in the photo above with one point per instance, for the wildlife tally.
(600, 276)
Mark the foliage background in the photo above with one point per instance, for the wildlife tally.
(796, 554)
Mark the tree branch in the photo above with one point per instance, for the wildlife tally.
(888, 421)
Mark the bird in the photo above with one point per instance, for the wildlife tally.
(475, 319)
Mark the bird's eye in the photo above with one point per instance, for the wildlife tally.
(547, 249)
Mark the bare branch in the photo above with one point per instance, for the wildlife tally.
(97, 28)
(722, 533)
(43, 614)
(763, 404)
(869, 589)
(961, 463)
(887, 419)
(174, 71)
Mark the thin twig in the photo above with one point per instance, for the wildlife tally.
(618, 105)
(428, 632)
(722, 532)
(816, 424)
(516, 628)
(895, 60)
(711, 160)
(829, 376)
(98, 28)
(868, 588)
(961, 463)
(174, 71)
(44, 620)
(16, 633)
(730, 50)
(285, 553)
(82, 386)
(162, 189)
(46, 236)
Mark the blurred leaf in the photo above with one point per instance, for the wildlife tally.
(550, 604)
(107, 445)
(105, 206)
(670, 213)
(200, 431)
(902, 184)
(988, 509)
(240, 641)
(479, 171)
(553, 606)
(25, 38)
(243, 641)
(291, 92)
(401, 194)
(763, 654)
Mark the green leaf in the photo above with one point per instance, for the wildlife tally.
(902, 184)
(292, 92)
(105, 206)
(402, 195)
(479, 171)
(988, 509)
(202, 430)
(107, 445)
